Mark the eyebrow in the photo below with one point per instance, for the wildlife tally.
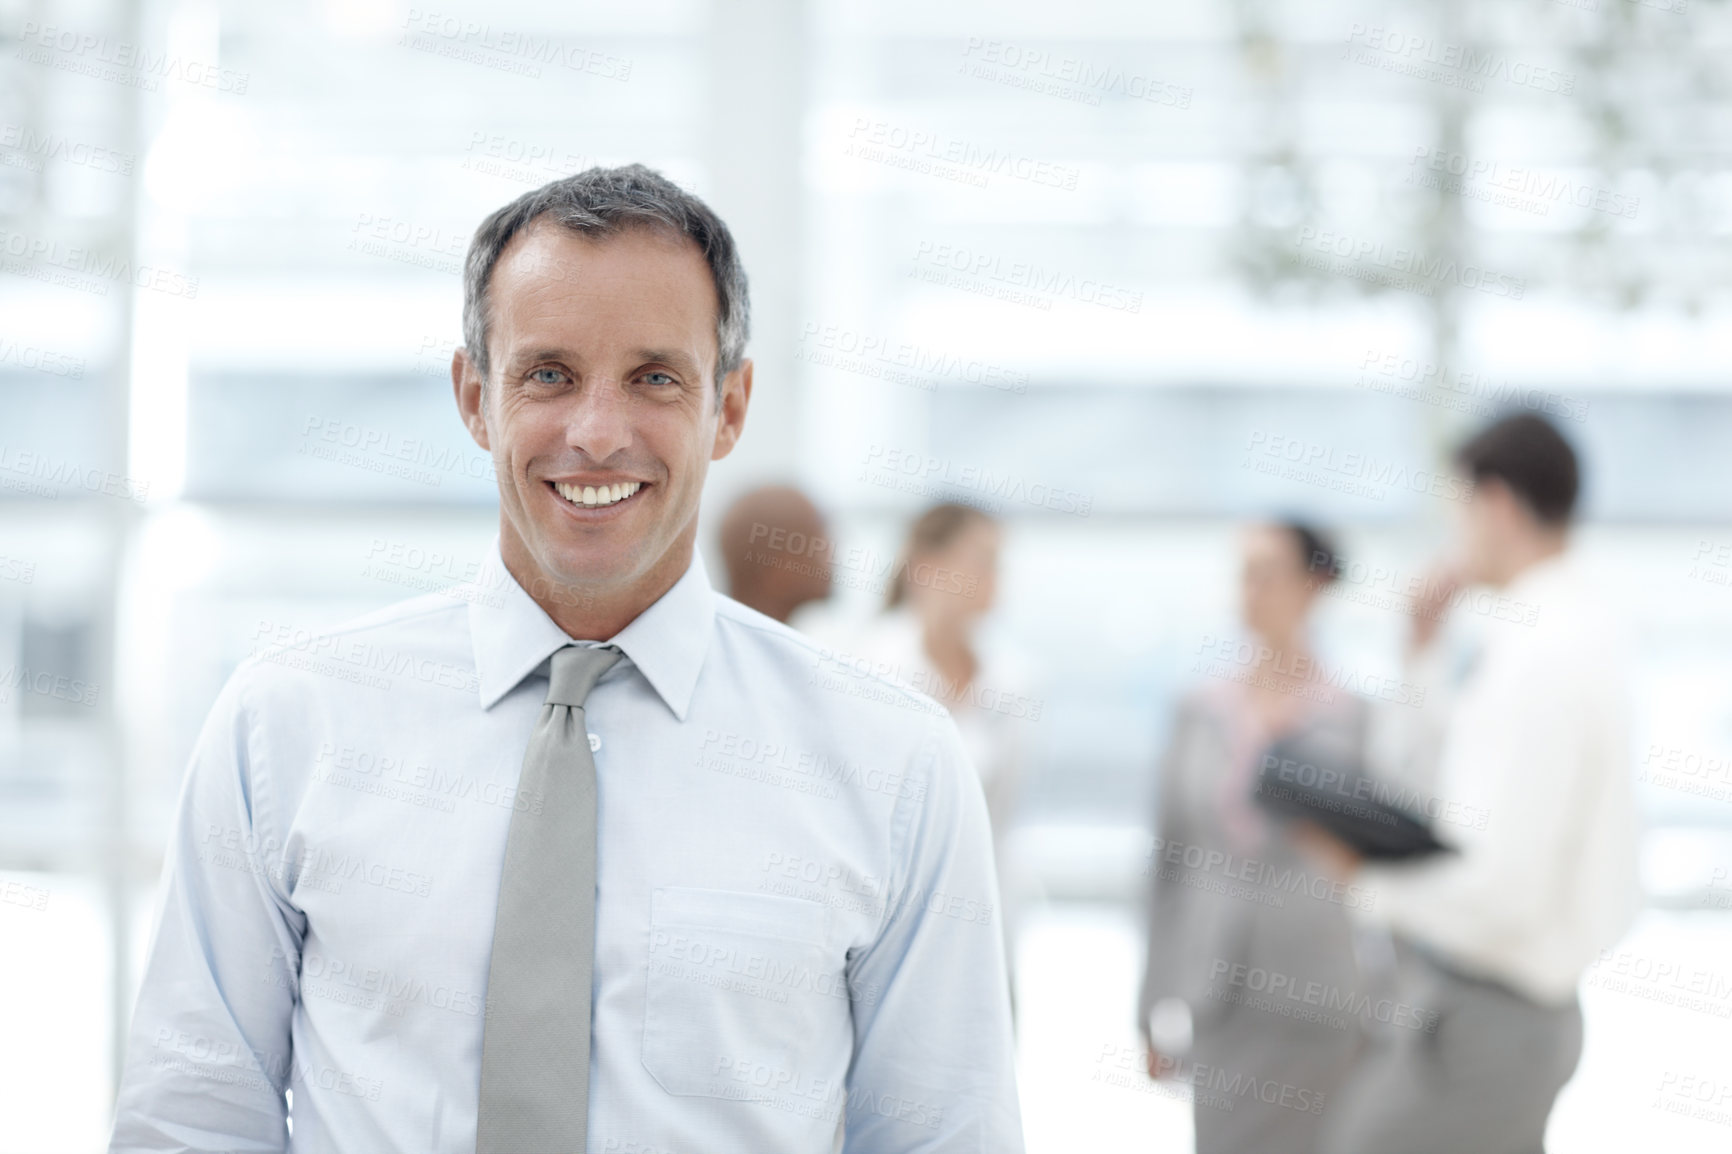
(667, 356)
(529, 356)
(672, 357)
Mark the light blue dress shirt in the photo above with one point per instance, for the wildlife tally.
(797, 940)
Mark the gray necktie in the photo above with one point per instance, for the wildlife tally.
(535, 1041)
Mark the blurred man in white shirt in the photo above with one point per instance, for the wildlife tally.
(1493, 939)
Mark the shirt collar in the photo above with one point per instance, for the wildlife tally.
(512, 635)
(1543, 577)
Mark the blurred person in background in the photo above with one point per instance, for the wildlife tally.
(774, 543)
(1212, 923)
(1494, 939)
(941, 590)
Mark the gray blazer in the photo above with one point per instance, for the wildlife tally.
(1213, 905)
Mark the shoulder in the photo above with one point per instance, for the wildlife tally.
(423, 638)
(1571, 628)
(815, 664)
(824, 698)
(1205, 703)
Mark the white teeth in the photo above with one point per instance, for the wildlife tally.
(594, 498)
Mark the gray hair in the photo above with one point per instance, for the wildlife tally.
(601, 202)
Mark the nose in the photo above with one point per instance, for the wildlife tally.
(598, 423)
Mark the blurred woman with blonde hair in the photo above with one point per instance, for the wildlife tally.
(941, 589)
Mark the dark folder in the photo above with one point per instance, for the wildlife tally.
(1300, 777)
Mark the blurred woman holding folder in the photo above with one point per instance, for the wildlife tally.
(1259, 960)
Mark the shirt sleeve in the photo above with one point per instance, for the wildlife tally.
(1405, 738)
(209, 1054)
(933, 1062)
(1165, 909)
(1511, 769)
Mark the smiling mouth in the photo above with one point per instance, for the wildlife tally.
(596, 496)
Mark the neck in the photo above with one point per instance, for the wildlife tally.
(1288, 651)
(594, 611)
(944, 630)
(1529, 550)
(948, 645)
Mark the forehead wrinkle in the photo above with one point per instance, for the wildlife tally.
(549, 281)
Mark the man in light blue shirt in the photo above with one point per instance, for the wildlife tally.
(796, 947)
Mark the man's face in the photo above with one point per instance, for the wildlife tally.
(602, 375)
(1487, 522)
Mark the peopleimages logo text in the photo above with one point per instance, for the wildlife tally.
(1414, 50)
(1443, 270)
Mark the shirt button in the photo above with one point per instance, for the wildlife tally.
(594, 743)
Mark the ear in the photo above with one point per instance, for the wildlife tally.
(471, 397)
(736, 390)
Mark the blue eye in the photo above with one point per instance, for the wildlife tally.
(665, 378)
(542, 376)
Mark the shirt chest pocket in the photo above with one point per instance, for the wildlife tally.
(744, 1000)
